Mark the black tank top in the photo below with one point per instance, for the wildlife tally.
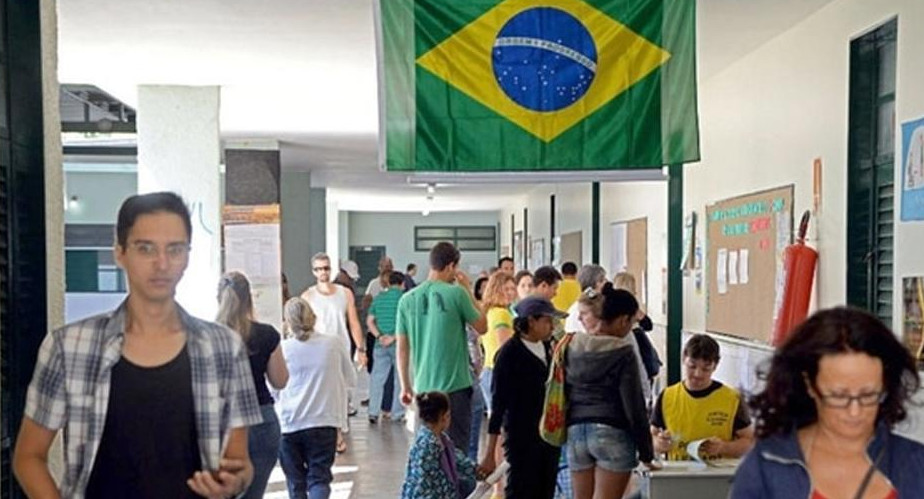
(149, 447)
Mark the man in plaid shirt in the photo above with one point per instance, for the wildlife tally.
(153, 402)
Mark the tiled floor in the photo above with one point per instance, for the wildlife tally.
(372, 467)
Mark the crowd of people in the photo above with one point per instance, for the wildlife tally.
(156, 403)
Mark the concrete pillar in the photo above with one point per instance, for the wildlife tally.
(179, 151)
(296, 209)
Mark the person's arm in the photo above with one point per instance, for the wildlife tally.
(633, 403)
(370, 323)
(355, 330)
(234, 475)
(276, 370)
(471, 311)
(404, 355)
(488, 463)
(45, 413)
(741, 443)
(503, 387)
(30, 460)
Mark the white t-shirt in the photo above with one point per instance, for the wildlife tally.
(320, 372)
(537, 348)
(374, 287)
(331, 312)
(572, 322)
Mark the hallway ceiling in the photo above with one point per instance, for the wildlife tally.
(303, 72)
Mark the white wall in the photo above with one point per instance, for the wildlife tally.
(572, 207)
(766, 117)
(395, 231)
(620, 202)
(99, 195)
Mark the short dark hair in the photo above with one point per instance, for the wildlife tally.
(569, 268)
(501, 260)
(546, 274)
(431, 406)
(702, 347)
(785, 402)
(395, 278)
(411, 266)
(147, 204)
(476, 288)
(443, 254)
(520, 275)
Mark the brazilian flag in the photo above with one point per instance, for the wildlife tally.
(511, 85)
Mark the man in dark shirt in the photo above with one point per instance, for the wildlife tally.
(154, 402)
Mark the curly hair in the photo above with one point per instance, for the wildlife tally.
(494, 295)
(785, 403)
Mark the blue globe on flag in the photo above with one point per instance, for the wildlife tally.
(544, 59)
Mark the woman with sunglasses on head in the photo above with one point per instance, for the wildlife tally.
(607, 421)
(834, 391)
(235, 310)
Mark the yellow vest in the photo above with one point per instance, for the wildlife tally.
(690, 419)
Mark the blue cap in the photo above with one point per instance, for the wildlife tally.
(532, 306)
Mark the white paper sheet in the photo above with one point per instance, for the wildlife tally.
(744, 266)
(733, 267)
(721, 271)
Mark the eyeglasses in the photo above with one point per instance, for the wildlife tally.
(150, 251)
(322, 269)
(842, 401)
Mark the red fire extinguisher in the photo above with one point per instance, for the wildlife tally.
(798, 276)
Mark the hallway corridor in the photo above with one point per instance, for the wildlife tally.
(373, 467)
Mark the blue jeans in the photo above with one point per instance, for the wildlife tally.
(383, 364)
(263, 446)
(307, 457)
(477, 418)
(487, 375)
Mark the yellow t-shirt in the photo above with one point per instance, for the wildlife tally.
(568, 292)
(690, 419)
(498, 317)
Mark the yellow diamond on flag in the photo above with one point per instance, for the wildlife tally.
(622, 58)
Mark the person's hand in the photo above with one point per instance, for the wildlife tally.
(229, 481)
(662, 440)
(713, 446)
(361, 358)
(463, 279)
(407, 396)
(653, 465)
(487, 465)
(386, 340)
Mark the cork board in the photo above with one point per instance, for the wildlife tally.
(637, 256)
(745, 239)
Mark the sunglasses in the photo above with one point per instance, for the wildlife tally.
(322, 269)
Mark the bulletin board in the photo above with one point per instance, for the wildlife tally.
(745, 239)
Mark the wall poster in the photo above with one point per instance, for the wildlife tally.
(913, 170)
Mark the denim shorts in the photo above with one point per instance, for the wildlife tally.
(594, 444)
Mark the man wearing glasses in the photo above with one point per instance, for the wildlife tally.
(334, 307)
(701, 408)
(153, 402)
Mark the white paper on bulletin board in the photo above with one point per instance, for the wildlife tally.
(254, 249)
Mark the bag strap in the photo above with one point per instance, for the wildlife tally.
(872, 469)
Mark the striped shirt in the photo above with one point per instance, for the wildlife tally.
(385, 310)
(70, 388)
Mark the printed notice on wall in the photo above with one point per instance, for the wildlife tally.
(744, 270)
(254, 250)
(721, 271)
(733, 267)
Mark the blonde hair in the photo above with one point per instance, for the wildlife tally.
(299, 319)
(626, 281)
(235, 304)
(494, 295)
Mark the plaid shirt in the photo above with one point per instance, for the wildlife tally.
(70, 388)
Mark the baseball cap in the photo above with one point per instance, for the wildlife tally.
(350, 267)
(538, 306)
